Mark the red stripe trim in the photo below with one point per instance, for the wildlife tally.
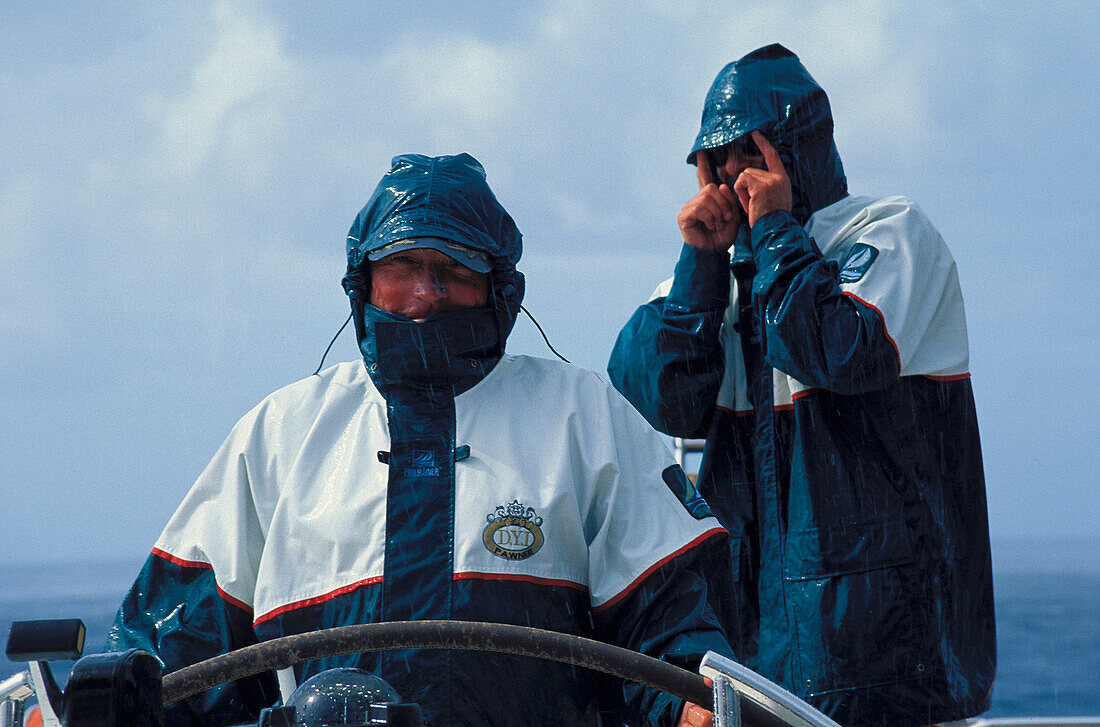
(180, 561)
(735, 412)
(952, 377)
(885, 332)
(238, 603)
(807, 392)
(317, 599)
(203, 566)
(472, 575)
(626, 591)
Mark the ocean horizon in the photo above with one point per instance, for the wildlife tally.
(1047, 597)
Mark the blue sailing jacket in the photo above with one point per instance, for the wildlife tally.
(825, 363)
(439, 478)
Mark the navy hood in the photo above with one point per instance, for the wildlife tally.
(444, 197)
(771, 91)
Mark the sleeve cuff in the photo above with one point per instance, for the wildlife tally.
(701, 281)
(767, 225)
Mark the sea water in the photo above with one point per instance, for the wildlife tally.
(1047, 600)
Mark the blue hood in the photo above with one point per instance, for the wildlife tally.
(439, 197)
(769, 90)
(444, 197)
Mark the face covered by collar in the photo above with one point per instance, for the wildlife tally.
(769, 90)
(443, 197)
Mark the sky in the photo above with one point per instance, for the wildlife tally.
(177, 181)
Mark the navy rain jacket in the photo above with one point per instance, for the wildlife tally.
(348, 498)
(842, 447)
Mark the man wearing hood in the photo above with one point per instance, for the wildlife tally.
(437, 478)
(817, 341)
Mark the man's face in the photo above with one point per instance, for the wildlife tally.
(423, 282)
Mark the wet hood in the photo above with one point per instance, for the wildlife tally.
(439, 197)
(444, 197)
(769, 90)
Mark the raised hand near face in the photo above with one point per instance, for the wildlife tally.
(761, 191)
(710, 219)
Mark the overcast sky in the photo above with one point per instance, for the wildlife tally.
(177, 180)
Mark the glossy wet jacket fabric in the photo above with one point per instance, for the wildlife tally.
(825, 363)
(439, 478)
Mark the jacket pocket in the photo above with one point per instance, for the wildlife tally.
(860, 605)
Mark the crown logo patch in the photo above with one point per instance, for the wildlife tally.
(513, 532)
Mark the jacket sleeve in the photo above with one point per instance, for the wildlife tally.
(812, 330)
(660, 579)
(176, 611)
(194, 597)
(675, 614)
(668, 359)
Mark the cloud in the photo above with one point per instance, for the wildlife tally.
(460, 78)
(19, 205)
(178, 183)
(235, 101)
(429, 93)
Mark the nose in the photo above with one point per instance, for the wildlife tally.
(732, 168)
(429, 287)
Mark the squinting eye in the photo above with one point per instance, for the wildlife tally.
(465, 274)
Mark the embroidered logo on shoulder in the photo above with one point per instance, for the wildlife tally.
(514, 531)
(677, 481)
(856, 264)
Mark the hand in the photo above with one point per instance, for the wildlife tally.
(710, 219)
(695, 716)
(761, 191)
(692, 715)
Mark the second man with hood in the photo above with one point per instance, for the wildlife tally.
(817, 342)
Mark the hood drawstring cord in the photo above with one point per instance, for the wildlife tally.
(330, 344)
(563, 358)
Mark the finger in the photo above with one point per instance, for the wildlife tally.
(714, 215)
(702, 168)
(714, 199)
(752, 173)
(699, 214)
(696, 716)
(771, 156)
(727, 192)
(741, 187)
(723, 201)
